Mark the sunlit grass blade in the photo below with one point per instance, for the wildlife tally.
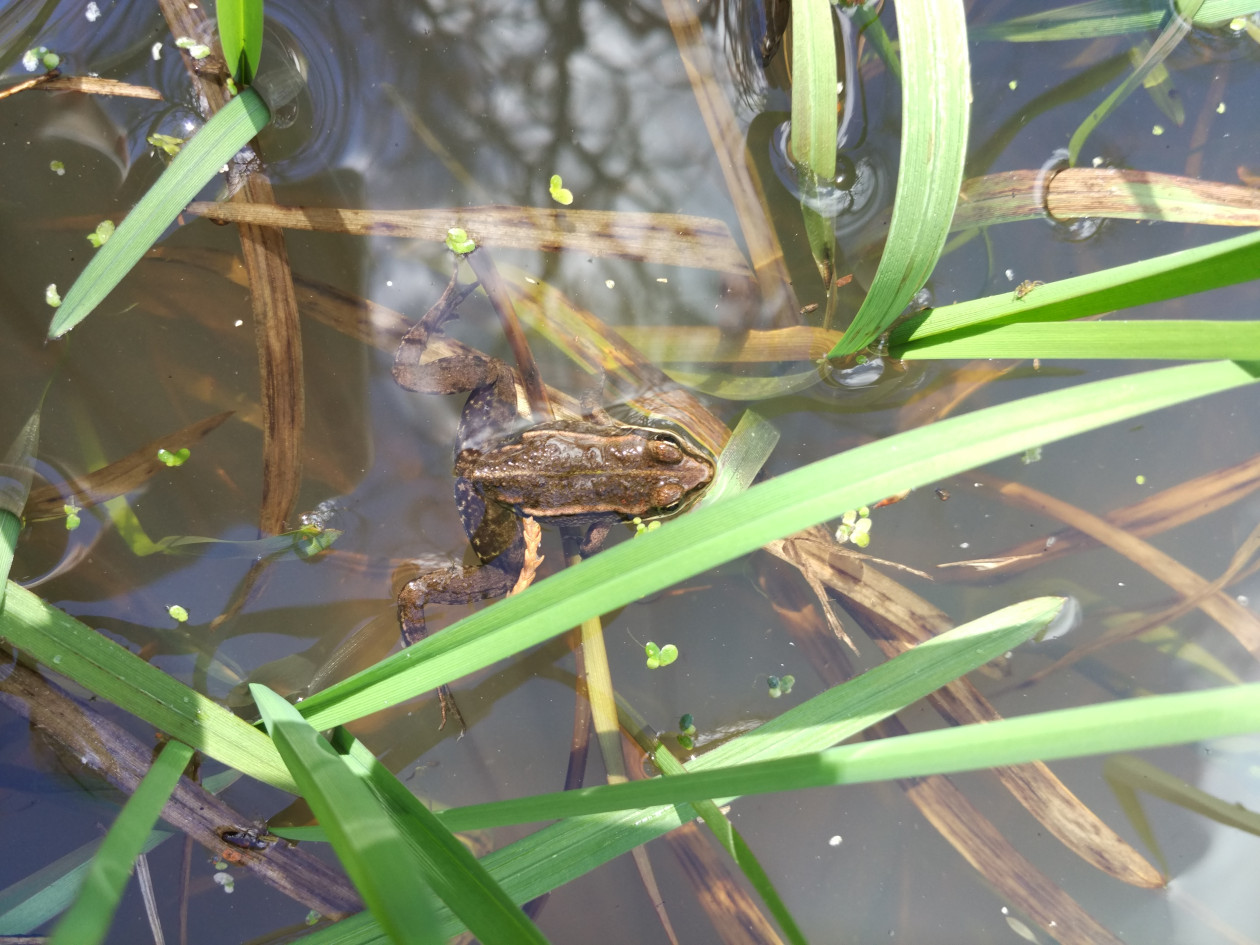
(560, 853)
(105, 668)
(399, 882)
(936, 107)
(656, 560)
(1151, 280)
(740, 853)
(813, 140)
(1172, 34)
(229, 130)
(459, 880)
(1128, 725)
(374, 856)
(746, 452)
(89, 918)
(1162, 339)
(240, 33)
(711, 536)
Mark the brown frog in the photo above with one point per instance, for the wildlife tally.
(591, 472)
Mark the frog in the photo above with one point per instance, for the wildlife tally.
(588, 473)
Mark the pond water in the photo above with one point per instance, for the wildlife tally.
(444, 105)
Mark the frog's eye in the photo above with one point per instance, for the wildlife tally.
(666, 495)
(665, 449)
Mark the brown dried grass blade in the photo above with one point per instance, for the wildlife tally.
(119, 477)
(1175, 506)
(1236, 619)
(276, 328)
(1104, 192)
(589, 342)
(665, 238)
(496, 290)
(981, 844)
(898, 619)
(93, 85)
(730, 909)
(741, 178)
(278, 336)
(937, 798)
(1238, 566)
(354, 316)
(670, 344)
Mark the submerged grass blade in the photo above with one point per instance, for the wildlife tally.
(16, 472)
(89, 918)
(1097, 18)
(705, 538)
(133, 471)
(229, 130)
(739, 851)
(1173, 34)
(936, 107)
(673, 238)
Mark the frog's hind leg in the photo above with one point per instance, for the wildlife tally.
(454, 585)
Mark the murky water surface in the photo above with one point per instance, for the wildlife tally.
(418, 105)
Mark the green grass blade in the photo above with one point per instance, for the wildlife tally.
(711, 536)
(1156, 339)
(88, 920)
(447, 866)
(16, 472)
(740, 853)
(1128, 725)
(813, 140)
(1218, 264)
(842, 711)
(229, 130)
(936, 108)
(1098, 18)
(396, 879)
(112, 672)
(240, 33)
(560, 853)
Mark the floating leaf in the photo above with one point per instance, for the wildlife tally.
(100, 236)
(178, 458)
(559, 193)
(658, 656)
(458, 241)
